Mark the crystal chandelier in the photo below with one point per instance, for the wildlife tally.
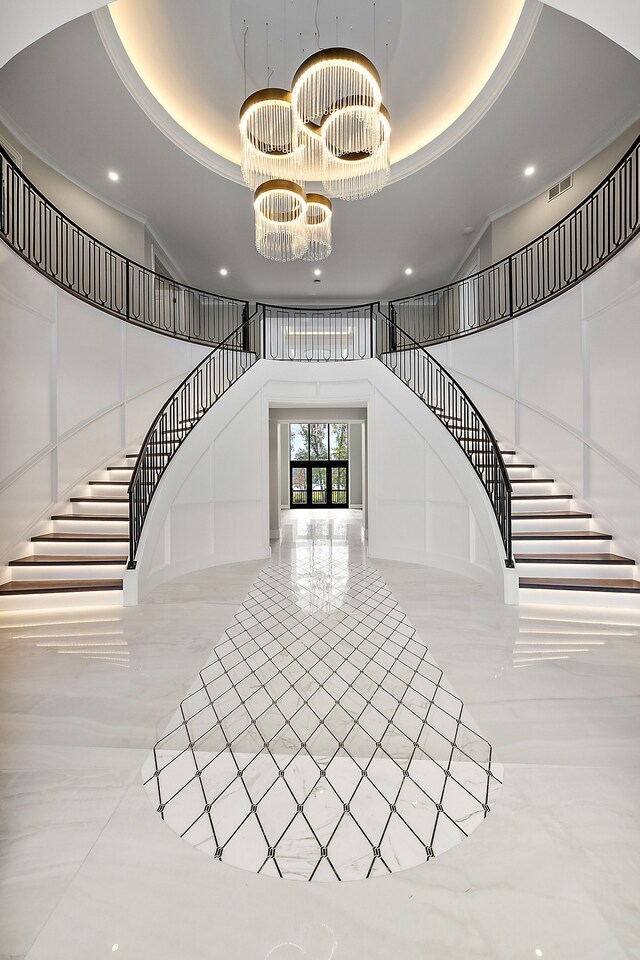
(331, 127)
(281, 220)
(269, 145)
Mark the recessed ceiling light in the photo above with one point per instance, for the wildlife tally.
(317, 271)
(113, 176)
(529, 171)
(223, 271)
(408, 271)
(468, 230)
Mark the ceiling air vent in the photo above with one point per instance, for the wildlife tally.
(560, 187)
(15, 156)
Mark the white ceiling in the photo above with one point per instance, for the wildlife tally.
(64, 95)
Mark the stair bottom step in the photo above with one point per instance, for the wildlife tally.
(16, 587)
(598, 586)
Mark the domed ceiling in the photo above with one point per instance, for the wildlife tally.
(199, 60)
(477, 90)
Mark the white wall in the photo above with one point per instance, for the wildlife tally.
(562, 384)
(425, 502)
(122, 233)
(76, 387)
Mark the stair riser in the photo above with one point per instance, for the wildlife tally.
(103, 490)
(94, 571)
(108, 509)
(609, 571)
(540, 525)
(563, 546)
(114, 474)
(91, 526)
(60, 601)
(43, 548)
(518, 473)
(589, 599)
(541, 506)
(533, 489)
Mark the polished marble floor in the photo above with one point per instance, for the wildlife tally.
(321, 741)
(89, 869)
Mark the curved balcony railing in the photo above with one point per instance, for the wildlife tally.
(318, 333)
(89, 269)
(197, 393)
(551, 264)
(554, 262)
(444, 396)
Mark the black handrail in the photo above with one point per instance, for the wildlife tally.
(87, 268)
(189, 402)
(455, 409)
(594, 231)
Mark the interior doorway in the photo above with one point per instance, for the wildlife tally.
(319, 465)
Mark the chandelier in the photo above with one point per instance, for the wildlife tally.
(331, 127)
(291, 225)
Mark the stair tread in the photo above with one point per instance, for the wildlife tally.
(82, 537)
(515, 465)
(98, 499)
(552, 515)
(611, 558)
(64, 560)
(532, 480)
(57, 586)
(90, 516)
(120, 468)
(562, 535)
(572, 583)
(542, 496)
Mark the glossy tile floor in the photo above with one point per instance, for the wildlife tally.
(89, 869)
(321, 742)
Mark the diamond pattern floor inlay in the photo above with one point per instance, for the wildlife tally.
(322, 742)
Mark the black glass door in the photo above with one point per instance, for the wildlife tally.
(319, 465)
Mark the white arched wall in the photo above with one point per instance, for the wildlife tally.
(76, 387)
(425, 503)
(562, 384)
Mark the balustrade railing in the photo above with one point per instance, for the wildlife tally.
(197, 393)
(318, 334)
(444, 396)
(87, 268)
(554, 262)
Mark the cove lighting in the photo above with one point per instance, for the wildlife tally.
(408, 271)
(113, 176)
(529, 171)
(223, 272)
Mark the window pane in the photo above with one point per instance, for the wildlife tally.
(318, 441)
(339, 485)
(299, 485)
(299, 433)
(319, 485)
(339, 435)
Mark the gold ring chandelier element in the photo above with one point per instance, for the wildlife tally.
(331, 127)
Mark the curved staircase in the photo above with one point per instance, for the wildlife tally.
(562, 554)
(83, 553)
